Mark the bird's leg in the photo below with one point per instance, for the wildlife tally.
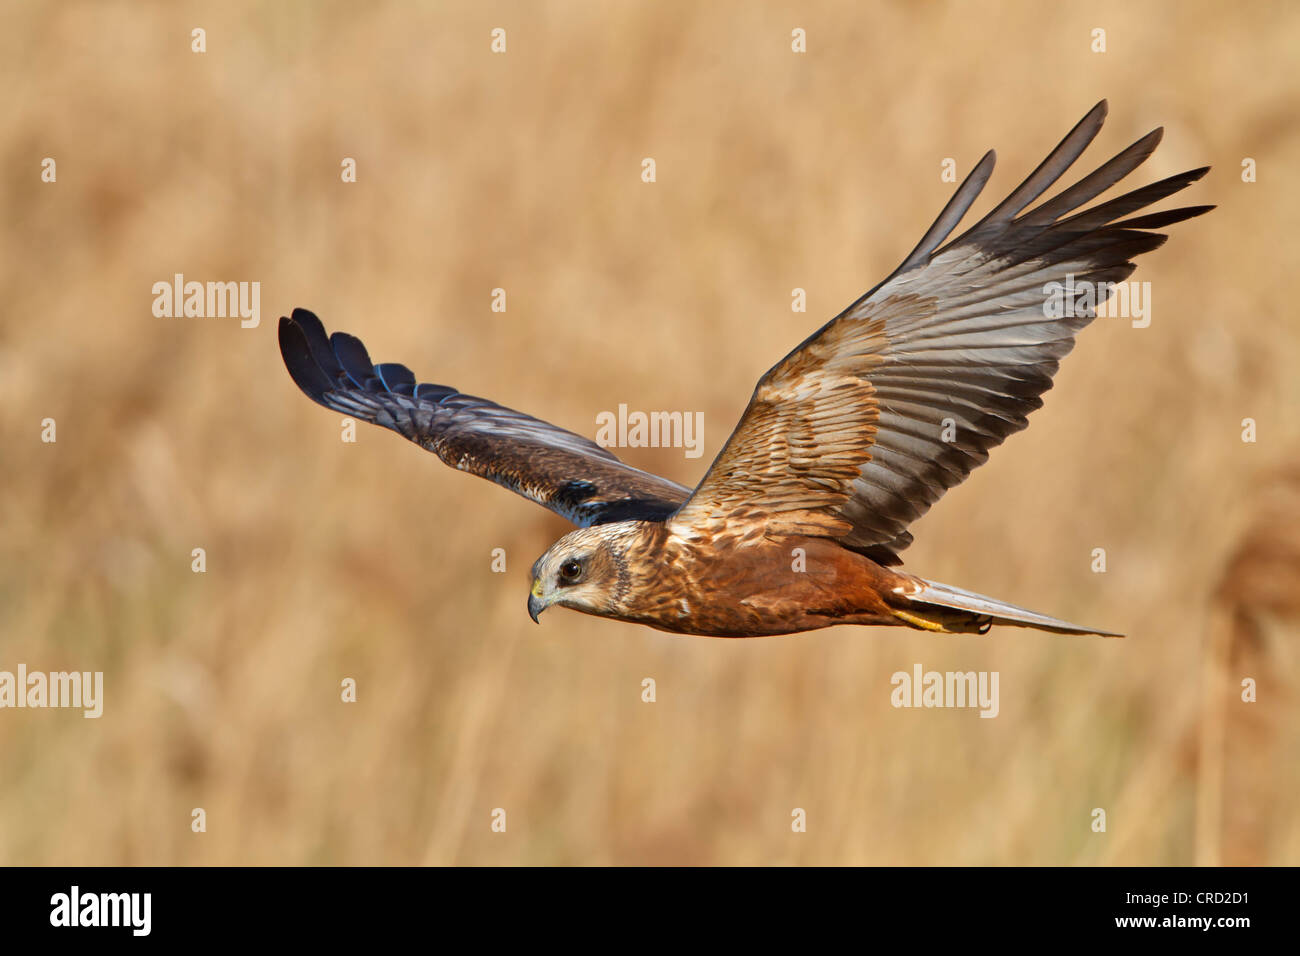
(920, 622)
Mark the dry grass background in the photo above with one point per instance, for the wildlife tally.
(328, 560)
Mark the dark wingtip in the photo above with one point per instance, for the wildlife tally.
(295, 335)
(320, 362)
(1158, 220)
(351, 354)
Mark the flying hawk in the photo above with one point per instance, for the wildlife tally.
(846, 441)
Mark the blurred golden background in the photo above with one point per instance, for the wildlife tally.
(522, 170)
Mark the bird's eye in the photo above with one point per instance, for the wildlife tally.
(570, 570)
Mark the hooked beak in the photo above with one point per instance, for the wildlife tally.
(536, 604)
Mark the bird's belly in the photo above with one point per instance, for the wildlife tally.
(773, 588)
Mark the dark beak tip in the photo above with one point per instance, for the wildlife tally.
(535, 608)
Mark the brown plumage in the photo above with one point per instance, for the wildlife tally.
(846, 441)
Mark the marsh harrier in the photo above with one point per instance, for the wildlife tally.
(847, 440)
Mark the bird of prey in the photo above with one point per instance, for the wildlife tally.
(799, 521)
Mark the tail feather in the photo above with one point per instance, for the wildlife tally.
(986, 610)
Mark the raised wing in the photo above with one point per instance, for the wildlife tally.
(571, 475)
(855, 433)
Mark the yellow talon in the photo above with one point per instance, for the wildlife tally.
(920, 622)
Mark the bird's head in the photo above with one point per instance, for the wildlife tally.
(586, 570)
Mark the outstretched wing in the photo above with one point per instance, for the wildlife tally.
(571, 475)
(855, 433)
